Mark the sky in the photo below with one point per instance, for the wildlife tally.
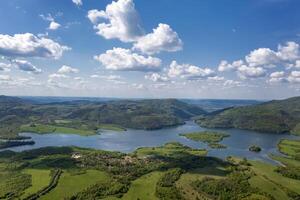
(218, 49)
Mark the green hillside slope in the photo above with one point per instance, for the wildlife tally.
(274, 116)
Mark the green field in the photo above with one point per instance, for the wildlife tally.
(289, 147)
(42, 129)
(268, 172)
(70, 184)
(40, 179)
(198, 174)
(144, 187)
(268, 187)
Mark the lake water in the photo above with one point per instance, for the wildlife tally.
(127, 141)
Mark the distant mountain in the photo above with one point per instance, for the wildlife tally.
(138, 114)
(211, 105)
(11, 101)
(274, 116)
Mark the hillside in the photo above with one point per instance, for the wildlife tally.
(89, 115)
(275, 116)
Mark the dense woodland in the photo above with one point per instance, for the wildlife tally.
(278, 116)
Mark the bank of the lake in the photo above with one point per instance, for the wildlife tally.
(237, 143)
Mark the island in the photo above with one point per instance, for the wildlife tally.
(254, 148)
(211, 137)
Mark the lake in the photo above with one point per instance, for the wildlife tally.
(127, 141)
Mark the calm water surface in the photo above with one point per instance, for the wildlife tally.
(127, 141)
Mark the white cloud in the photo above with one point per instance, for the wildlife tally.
(163, 38)
(277, 77)
(5, 67)
(225, 66)
(29, 45)
(251, 72)
(155, 77)
(5, 77)
(120, 20)
(95, 76)
(125, 60)
(25, 65)
(231, 83)
(188, 71)
(77, 2)
(54, 25)
(285, 55)
(297, 64)
(289, 53)
(47, 17)
(294, 77)
(262, 57)
(112, 77)
(277, 74)
(54, 76)
(216, 78)
(138, 86)
(96, 15)
(67, 70)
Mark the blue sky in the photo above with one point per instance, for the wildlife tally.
(152, 49)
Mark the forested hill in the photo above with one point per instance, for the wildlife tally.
(276, 116)
(139, 114)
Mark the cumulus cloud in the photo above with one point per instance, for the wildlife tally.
(277, 77)
(289, 52)
(251, 72)
(77, 2)
(225, 66)
(188, 71)
(29, 45)
(259, 61)
(163, 38)
(54, 80)
(125, 60)
(120, 20)
(286, 55)
(54, 25)
(67, 70)
(96, 15)
(262, 57)
(294, 77)
(25, 65)
(155, 77)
